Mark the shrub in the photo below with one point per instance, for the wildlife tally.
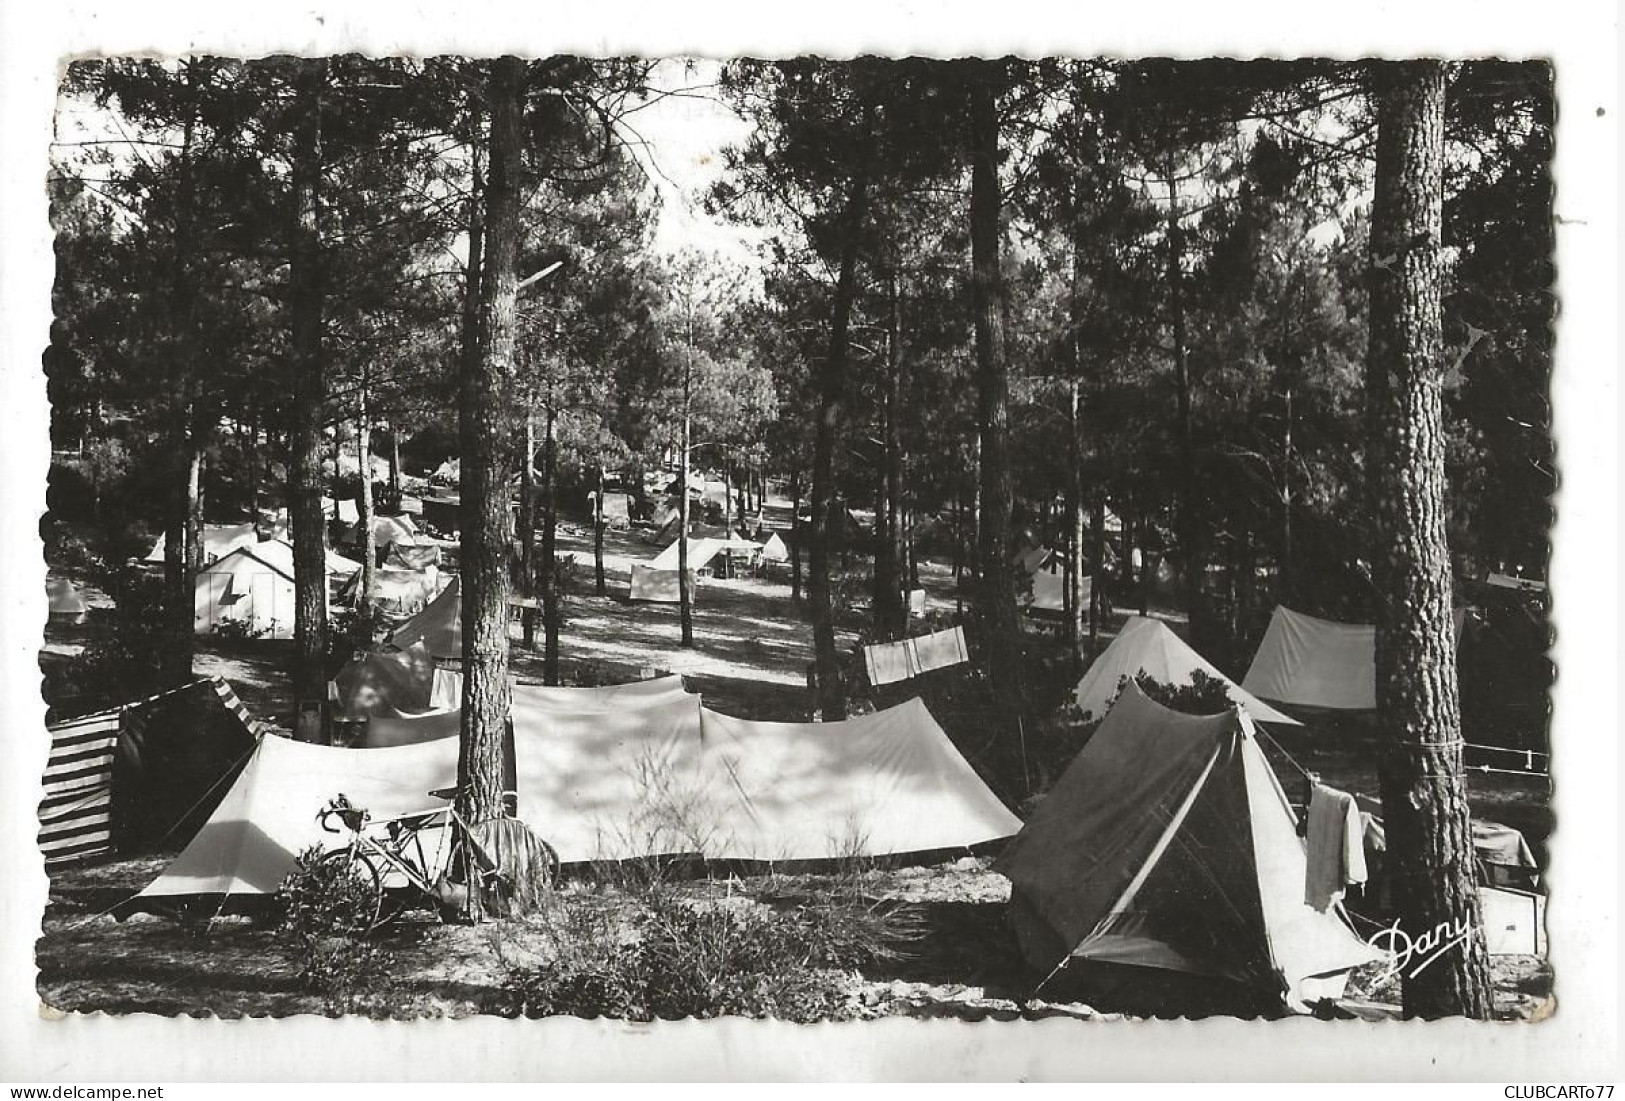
(354, 629)
(671, 957)
(235, 630)
(326, 913)
(122, 658)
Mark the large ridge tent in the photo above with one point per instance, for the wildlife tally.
(144, 773)
(625, 772)
(701, 552)
(881, 784)
(532, 704)
(1311, 662)
(1163, 874)
(1146, 645)
(1314, 662)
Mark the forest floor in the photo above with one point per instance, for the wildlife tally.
(961, 960)
(752, 650)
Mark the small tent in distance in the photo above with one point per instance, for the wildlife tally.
(67, 605)
(1163, 874)
(219, 540)
(1146, 645)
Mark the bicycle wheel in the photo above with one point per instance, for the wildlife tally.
(365, 880)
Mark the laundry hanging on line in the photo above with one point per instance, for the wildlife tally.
(1336, 847)
(889, 662)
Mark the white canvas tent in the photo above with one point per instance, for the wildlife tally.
(1313, 662)
(702, 551)
(617, 773)
(348, 510)
(219, 540)
(657, 586)
(251, 586)
(254, 586)
(66, 604)
(1049, 591)
(617, 508)
(880, 784)
(774, 550)
(1163, 872)
(1146, 645)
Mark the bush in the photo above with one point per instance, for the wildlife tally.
(673, 957)
(235, 630)
(326, 913)
(354, 630)
(122, 658)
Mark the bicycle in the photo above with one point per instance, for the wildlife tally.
(390, 859)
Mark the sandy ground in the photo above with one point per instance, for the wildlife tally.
(962, 962)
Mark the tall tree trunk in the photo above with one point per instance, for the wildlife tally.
(1097, 563)
(395, 490)
(306, 294)
(1001, 627)
(363, 454)
(959, 544)
(336, 487)
(527, 526)
(196, 463)
(180, 576)
(828, 512)
(1288, 580)
(685, 597)
(795, 539)
(484, 484)
(727, 500)
(1077, 610)
(255, 473)
(598, 536)
(891, 610)
(550, 564)
(1430, 844)
(1192, 558)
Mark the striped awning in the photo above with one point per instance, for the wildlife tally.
(76, 807)
(74, 813)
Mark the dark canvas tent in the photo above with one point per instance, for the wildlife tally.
(1163, 874)
(144, 774)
